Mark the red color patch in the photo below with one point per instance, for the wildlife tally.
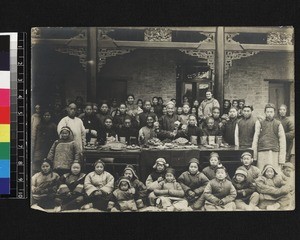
(4, 115)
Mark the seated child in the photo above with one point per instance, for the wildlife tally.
(141, 194)
(168, 194)
(219, 193)
(273, 191)
(64, 151)
(98, 186)
(193, 183)
(70, 194)
(288, 171)
(191, 130)
(158, 175)
(247, 198)
(44, 186)
(253, 172)
(214, 161)
(123, 197)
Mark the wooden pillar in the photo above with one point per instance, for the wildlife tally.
(219, 66)
(91, 67)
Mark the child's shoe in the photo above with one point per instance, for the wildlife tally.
(139, 203)
(57, 209)
(115, 210)
(158, 203)
(275, 206)
(87, 206)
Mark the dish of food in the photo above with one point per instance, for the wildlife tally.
(154, 142)
(181, 141)
(133, 147)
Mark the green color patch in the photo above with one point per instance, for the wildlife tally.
(4, 150)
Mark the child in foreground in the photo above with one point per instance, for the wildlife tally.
(141, 194)
(288, 175)
(274, 193)
(64, 151)
(247, 198)
(98, 186)
(157, 175)
(214, 162)
(253, 172)
(169, 194)
(193, 183)
(123, 197)
(70, 194)
(219, 193)
(44, 186)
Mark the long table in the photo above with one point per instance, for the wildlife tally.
(145, 158)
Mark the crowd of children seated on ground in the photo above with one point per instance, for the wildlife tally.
(59, 138)
(211, 189)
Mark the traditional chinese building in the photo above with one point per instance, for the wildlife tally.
(251, 63)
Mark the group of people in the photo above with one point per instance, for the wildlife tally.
(211, 189)
(60, 137)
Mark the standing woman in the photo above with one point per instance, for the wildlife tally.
(45, 136)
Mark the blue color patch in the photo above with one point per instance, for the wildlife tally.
(4, 185)
(4, 168)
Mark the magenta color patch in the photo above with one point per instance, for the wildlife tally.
(4, 97)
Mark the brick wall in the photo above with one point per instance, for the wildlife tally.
(148, 72)
(245, 78)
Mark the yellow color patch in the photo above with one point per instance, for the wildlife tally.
(4, 133)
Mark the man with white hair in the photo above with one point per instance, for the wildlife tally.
(168, 121)
(269, 144)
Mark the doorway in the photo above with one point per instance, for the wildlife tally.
(193, 81)
(279, 93)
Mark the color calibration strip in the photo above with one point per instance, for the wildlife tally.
(5, 114)
(14, 147)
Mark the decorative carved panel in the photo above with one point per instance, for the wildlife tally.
(102, 33)
(280, 38)
(210, 37)
(79, 52)
(158, 35)
(208, 55)
(234, 55)
(103, 54)
(229, 37)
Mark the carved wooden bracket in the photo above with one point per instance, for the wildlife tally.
(234, 55)
(103, 54)
(208, 55)
(78, 52)
(229, 38)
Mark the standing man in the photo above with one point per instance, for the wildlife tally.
(75, 124)
(269, 144)
(245, 128)
(289, 129)
(228, 131)
(206, 106)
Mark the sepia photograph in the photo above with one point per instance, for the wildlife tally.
(162, 119)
